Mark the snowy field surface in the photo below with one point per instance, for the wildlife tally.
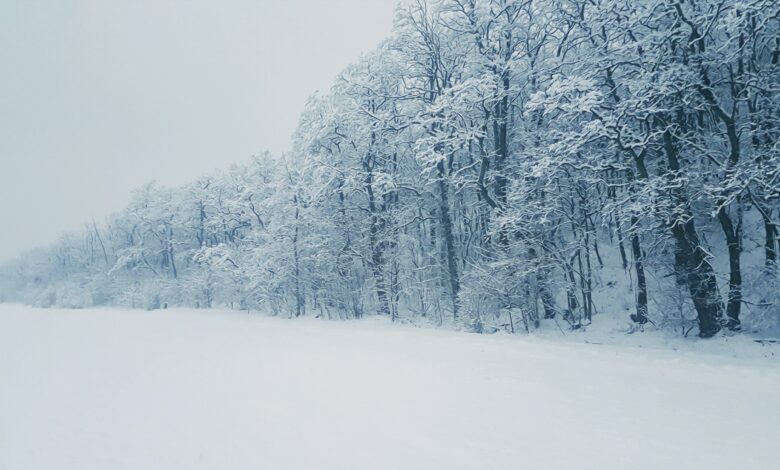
(110, 389)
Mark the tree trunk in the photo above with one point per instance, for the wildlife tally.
(299, 304)
(445, 220)
(770, 248)
(377, 255)
(692, 261)
(695, 269)
(733, 235)
(641, 281)
(542, 285)
(641, 315)
(770, 238)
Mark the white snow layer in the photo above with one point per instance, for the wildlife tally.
(109, 389)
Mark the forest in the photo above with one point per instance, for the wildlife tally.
(492, 165)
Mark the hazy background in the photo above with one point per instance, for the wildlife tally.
(98, 97)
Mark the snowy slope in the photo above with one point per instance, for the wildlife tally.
(109, 389)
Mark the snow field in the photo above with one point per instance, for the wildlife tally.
(184, 389)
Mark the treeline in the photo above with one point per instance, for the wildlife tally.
(494, 163)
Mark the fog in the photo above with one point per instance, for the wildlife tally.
(97, 98)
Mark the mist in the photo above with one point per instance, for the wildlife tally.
(99, 97)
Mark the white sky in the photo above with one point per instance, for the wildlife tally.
(98, 97)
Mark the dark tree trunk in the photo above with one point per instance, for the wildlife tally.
(174, 271)
(641, 315)
(733, 233)
(693, 264)
(770, 248)
(571, 297)
(445, 220)
(542, 285)
(375, 230)
(770, 238)
(695, 269)
(641, 282)
(731, 230)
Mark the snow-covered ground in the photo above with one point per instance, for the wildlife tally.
(110, 389)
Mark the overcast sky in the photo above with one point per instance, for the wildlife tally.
(98, 97)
